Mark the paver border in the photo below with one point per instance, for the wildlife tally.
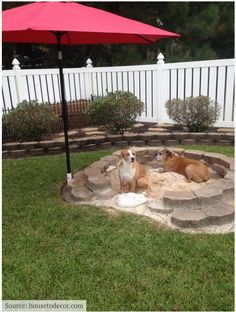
(195, 202)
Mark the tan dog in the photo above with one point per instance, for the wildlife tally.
(131, 172)
(190, 168)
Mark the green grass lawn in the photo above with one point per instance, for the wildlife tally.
(53, 250)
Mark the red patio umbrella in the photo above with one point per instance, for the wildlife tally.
(72, 23)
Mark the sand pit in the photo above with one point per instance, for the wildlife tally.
(169, 199)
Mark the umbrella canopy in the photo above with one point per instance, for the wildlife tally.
(80, 24)
(72, 23)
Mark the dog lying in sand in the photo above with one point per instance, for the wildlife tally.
(192, 169)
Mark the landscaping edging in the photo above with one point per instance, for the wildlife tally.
(209, 209)
(43, 148)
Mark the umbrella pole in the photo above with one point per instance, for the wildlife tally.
(64, 105)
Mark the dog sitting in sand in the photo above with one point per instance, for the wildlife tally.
(131, 172)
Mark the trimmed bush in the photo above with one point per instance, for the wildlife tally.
(31, 121)
(198, 114)
(117, 111)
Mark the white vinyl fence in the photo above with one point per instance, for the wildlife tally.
(153, 84)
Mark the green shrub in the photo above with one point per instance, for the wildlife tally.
(117, 111)
(196, 113)
(31, 121)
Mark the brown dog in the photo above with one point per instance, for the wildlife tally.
(190, 168)
(131, 172)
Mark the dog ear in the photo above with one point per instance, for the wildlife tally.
(169, 153)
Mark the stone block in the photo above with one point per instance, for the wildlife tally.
(147, 136)
(124, 144)
(225, 130)
(115, 137)
(164, 136)
(97, 183)
(18, 153)
(82, 193)
(131, 136)
(138, 125)
(112, 159)
(188, 141)
(91, 171)
(138, 143)
(79, 174)
(197, 135)
(74, 148)
(229, 175)
(6, 154)
(206, 142)
(156, 207)
(105, 193)
(171, 142)
(55, 150)
(185, 218)
(178, 150)
(224, 185)
(215, 136)
(217, 158)
(152, 150)
(70, 133)
(165, 125)
(96, 139)
(29, 145)
(90, 147)
(145, 159)
(183, 199)
(224, 142)
(220, 214)
(101, 164)
(78, 180)
(208, 196)
(193, 154)
(221, 170)
(48, 144)
(229, 137)
(105, 145)
(154, 142)
(159, 129)
(180, 135)
(11, 146)
(140, 151)
(37, 152)
(80, 141)
(89, 129)
(231, 163)
(95, 133)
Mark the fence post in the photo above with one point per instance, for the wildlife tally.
(89, 63)
(90, 83)
(18, 81)
(159, 111)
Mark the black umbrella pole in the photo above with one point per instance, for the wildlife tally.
(64, 107)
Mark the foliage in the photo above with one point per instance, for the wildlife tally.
(196, 113)
(30, 121)
(117, 111)
(202, 26)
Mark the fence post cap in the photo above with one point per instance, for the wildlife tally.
(89, 63)
(15, 64)
(160, 58)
